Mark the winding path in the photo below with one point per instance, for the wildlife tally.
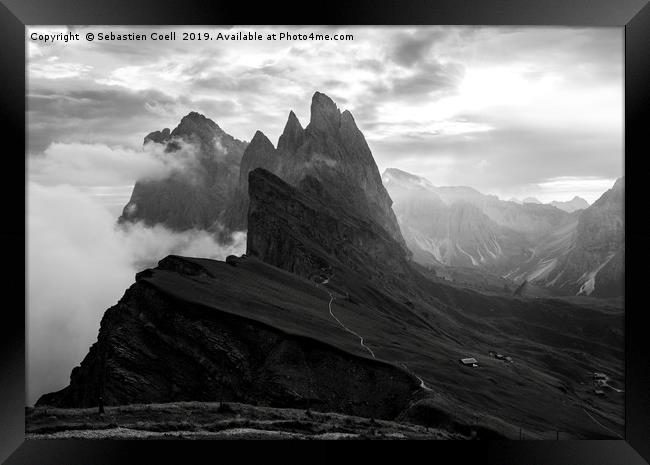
(422, 385)
(345, 327)
(370, 351)
(600, 424)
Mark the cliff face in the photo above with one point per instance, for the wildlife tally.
(597, 259)
(154, 346)
(298, 230)
(586, 256)
(335, 152)
(260, 153)
(196, 195)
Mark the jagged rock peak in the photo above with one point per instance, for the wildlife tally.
(293, 134)
(399, 174)
(158, 136)
(292, 122)
(195, 116)
(260, 140)
(325, 115)
(347, 120)
(195, 122)
(259, 153)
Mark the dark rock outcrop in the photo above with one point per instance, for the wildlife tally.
(158, 137)
(154, 346)
(293, 135)
(260, 153)
(212, 192)
(197, 191)
(298, 230)
(332, 150)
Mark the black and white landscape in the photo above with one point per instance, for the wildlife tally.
(312, 287)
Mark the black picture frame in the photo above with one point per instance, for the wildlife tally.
(632, 15)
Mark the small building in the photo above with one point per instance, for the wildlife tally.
(499, 356)
(469, 361)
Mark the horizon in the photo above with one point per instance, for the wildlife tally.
(513, 198)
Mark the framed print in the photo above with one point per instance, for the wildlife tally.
(384, 222)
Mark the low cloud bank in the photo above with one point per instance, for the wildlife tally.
(102, 165)
(80, 262)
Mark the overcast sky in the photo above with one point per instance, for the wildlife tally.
(509, 111)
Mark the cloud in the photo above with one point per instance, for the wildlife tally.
(412, 48)
(79, 263)
(78, 111)
(98, 164)
(54, 70)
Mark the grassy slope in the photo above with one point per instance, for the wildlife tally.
(546, 389)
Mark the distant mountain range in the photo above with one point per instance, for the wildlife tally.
(585, 255)
(577, 203)
(328, 310)
(564, 249)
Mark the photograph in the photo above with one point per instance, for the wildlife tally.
(325, 232)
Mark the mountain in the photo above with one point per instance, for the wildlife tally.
(577, 203)
(578, 252)
(197, 191)
(459, 226)
(304, 231)
(531, 200)
(253, 329)
(332, 150)
(212, 192)
(325, 312)
(586, 255)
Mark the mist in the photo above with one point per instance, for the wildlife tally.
(85, 164)
(79, 264)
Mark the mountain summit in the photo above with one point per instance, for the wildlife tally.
(332, 150)
(195, 196)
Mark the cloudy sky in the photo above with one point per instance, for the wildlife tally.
(510, 111)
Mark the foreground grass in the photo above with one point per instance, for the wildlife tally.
(206, 420)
